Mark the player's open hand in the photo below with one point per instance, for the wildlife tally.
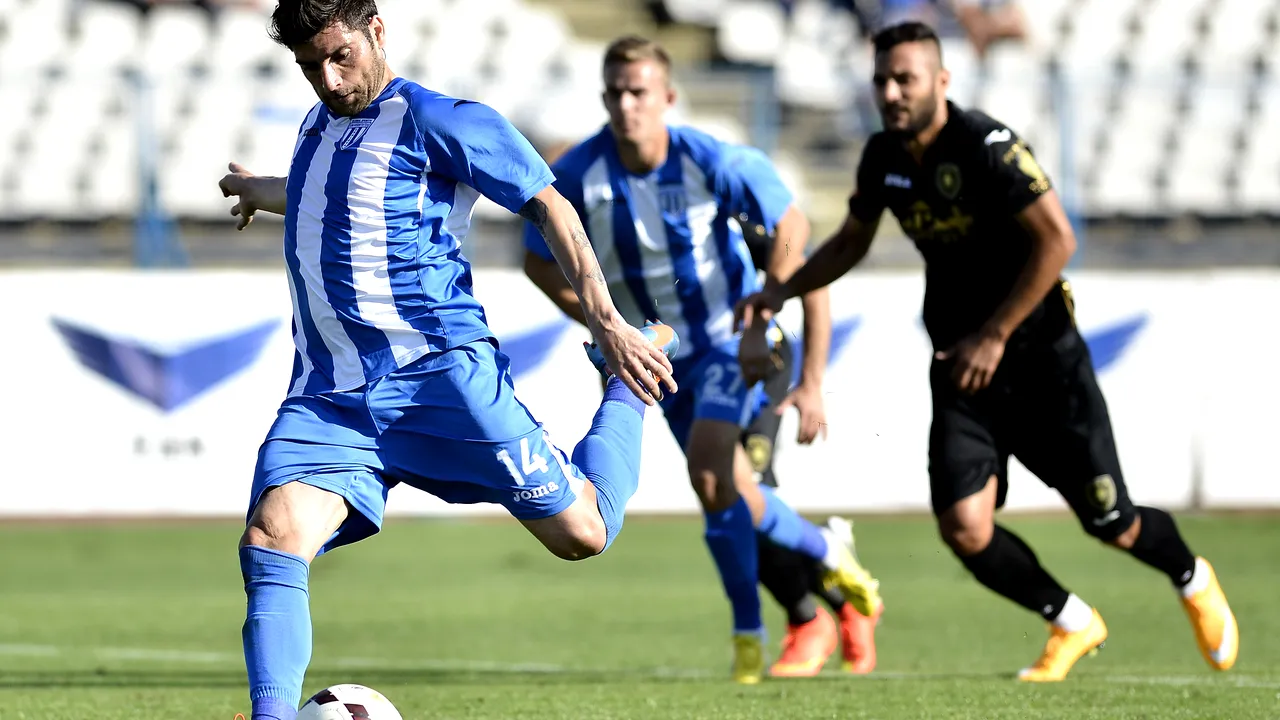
(975, 359)
(638, 363)
(756, 307)
(807, 400)
(239, 182)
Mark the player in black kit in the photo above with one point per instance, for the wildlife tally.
(1011, 375)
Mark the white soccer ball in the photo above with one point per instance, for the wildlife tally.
(348, 702)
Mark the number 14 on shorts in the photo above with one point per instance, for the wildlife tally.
(530, 462)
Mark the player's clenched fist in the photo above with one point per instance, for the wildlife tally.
(761, 306)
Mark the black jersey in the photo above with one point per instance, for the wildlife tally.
(959, 205)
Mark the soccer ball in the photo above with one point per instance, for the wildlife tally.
(348, 702)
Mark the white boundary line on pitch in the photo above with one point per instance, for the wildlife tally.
(194, 657)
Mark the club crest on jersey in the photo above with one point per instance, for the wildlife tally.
(948, 180)
(354, 133)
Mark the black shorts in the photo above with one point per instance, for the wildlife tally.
(1045, 408)
(759, 438)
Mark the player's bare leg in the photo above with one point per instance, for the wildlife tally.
(711, 456)
(576, 533)
(288, 527)
(1006, 565)
(605, 466)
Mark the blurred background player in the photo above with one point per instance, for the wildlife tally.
(791, 578)
(1011, 374)
(659, 205)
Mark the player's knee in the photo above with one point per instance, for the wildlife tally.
(965, 539)
(716, 491)
(581, 541)
(257, 537)
(1107, 533)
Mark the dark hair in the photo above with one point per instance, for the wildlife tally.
(294, 22)
(911, 31)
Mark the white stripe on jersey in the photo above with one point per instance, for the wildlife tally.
(370, 264)
(300, 333)
(347, 370)
(599, 209)
(657, 268)
(458, 222)
(713, 270)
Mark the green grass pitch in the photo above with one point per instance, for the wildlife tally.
(473, 619)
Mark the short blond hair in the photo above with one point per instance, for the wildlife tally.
(633, 48)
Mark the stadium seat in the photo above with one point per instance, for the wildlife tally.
(752, 32)
(1045, 25)
(222, 90)
(239, 43)
(1238, 33)
(112, 173)
(35, 37)
(1167, 36)
(107, 37)
(174, 38)
(1099, 30)
(1258, 179)
(707, 13)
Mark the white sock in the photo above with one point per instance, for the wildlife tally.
(1199, 580)
(832, 558)
(1075, 615)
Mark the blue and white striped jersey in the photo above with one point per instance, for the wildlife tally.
(378, 207)
(669, 243)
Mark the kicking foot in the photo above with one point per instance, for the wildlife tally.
(661, 335)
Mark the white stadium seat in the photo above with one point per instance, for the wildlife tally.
(222, 90)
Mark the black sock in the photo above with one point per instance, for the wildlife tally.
(1160, 545)
(782, 572)
(1009, 567)
(831, 596)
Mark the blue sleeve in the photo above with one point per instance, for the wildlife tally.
(569, 185)
(473, 144)
(747, 182)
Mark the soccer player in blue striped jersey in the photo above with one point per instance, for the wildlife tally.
(397, 377)
(659, 204)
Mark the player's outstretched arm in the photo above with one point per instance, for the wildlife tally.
(837, 256)
(254, 193)
(550, 279)
(638, 363)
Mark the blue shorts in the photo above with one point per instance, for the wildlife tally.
(448, 424)
(711, 388)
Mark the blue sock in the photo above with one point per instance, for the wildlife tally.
(731, 538)
(785, 528)
(609, 456)
(277, 630)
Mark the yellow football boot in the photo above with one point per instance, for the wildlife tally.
(748, 659)
(1213, 622)
(1064, 649)
(851, 579)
